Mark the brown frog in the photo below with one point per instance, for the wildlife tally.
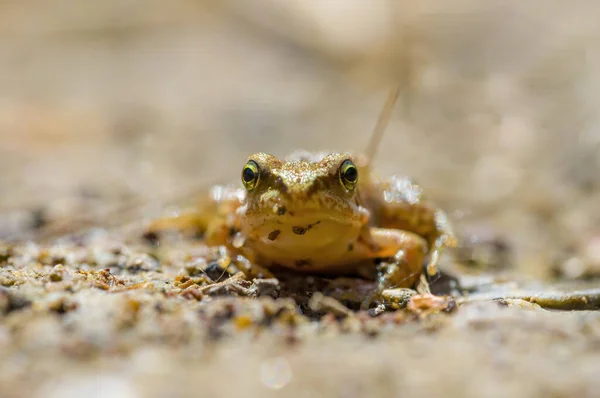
(324, 214)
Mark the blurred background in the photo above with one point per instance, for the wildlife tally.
(102, 103)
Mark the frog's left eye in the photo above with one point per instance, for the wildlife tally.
(348, 175)
(250, 175)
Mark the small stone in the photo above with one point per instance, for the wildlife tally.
(61, 304)
(215, 272)
(151, 238)
(7, 280)
(5, 254)
(320, 303)
(57, 273)
(265, 287)
(142, 262)
(377, 310)
(9, 301)
(243, 322)
(196, 266)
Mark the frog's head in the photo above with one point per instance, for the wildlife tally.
(305, 195)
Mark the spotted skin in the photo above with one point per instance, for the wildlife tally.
(380, 227)
(274, 234)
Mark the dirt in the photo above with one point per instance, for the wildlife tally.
(100, 317)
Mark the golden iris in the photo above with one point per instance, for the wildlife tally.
(348, 175)
(250, 175)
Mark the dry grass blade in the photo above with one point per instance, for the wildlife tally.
(382, 122)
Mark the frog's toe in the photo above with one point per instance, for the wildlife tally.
(397, 298)
(388, 299)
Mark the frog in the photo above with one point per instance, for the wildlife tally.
(324, 213)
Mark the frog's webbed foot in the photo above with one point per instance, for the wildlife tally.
(390, 276)
(399, 257)
(397, 298)
(416, 302)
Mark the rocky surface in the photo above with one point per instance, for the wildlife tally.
(103, 318)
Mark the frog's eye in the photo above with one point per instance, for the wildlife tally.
(348, 175)
(250, 175)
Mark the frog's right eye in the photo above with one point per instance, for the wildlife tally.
(250, 175)
(348, 175)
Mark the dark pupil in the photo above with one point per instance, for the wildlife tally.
(350, 174)
(248, 174)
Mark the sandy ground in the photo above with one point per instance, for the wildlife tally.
(112, 113)
(102, 319)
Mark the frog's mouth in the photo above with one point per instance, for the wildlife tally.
(319, 209)
(300, 220)
(300, 231)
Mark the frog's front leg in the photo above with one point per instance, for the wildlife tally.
(214, 216)
(399, 203)
(398, 258)
(188, 220)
